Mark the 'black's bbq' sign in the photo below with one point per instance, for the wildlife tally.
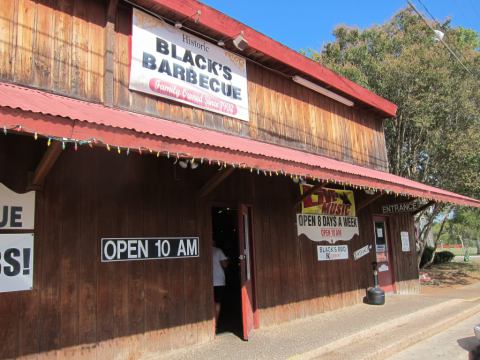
(123, 249)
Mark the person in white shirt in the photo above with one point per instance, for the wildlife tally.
(220, 262)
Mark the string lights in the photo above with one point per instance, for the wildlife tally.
(189, 159)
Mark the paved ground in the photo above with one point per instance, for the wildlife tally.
(457, 342)
(318, 336)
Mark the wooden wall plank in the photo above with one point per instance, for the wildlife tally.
(8, 29)
(43, 44)
(26, 19)
(62, 47)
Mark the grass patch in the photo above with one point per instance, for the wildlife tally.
(459, 251)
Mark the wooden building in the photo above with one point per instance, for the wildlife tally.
(125, 180)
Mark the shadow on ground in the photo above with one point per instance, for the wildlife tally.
(472, 345)
(453, 274)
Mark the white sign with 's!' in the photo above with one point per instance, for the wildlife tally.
(16, 262)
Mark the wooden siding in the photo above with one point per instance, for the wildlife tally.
(59, 46)
(80, 306)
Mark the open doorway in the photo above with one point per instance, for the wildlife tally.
(225, 237)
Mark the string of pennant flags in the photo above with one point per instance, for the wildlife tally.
(91, 142)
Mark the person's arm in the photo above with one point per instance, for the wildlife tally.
(223, 260)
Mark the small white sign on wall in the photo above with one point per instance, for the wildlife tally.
(332, 252)
(357, 254)
(16, 262)
(405, 241)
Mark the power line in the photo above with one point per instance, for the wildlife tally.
(438, 23)
(440, 39)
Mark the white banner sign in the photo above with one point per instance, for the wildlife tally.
(16, 262)
(16, 210)
(334, 252)
(357, 254)
(329, 228)
(405, 241)
(173, 64)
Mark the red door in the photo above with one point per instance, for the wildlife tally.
(245, 257)
(382, 248)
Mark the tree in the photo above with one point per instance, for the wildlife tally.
(464, 225)
(435, 136)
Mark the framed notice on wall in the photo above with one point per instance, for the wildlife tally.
(405, 241)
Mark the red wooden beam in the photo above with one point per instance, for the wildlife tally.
(309, 192)
(46, 164)
(368, 201)
(214, 181)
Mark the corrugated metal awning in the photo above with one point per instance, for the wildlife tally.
(57, 116)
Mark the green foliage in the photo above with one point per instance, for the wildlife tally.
(462, 226)
(435, 136)
(442, 257)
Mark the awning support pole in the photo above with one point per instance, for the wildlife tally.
(368, 201)
(421, 208)
(45, 165)
(214, 181)
(309, 192)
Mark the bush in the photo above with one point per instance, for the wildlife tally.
(442, 257)
(426, 256)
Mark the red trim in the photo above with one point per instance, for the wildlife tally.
(230, 28)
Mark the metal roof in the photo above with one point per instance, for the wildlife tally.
(55, 115)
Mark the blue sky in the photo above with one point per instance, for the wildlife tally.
(309, 23)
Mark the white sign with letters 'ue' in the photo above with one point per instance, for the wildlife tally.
(174, 64)
(16, 262)
(17, 211)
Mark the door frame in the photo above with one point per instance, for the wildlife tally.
(253, 267)
(391, 260)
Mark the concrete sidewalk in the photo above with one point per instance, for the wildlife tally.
(346, 332)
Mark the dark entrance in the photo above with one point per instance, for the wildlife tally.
(225, 236)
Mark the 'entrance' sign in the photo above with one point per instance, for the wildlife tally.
(149, 248)
(16, 262)
(404, 207)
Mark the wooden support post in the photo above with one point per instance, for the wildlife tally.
(309, 192)
(45, 165)
(423, 207)
(368, 201)
(109, 50)
(214, 181)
